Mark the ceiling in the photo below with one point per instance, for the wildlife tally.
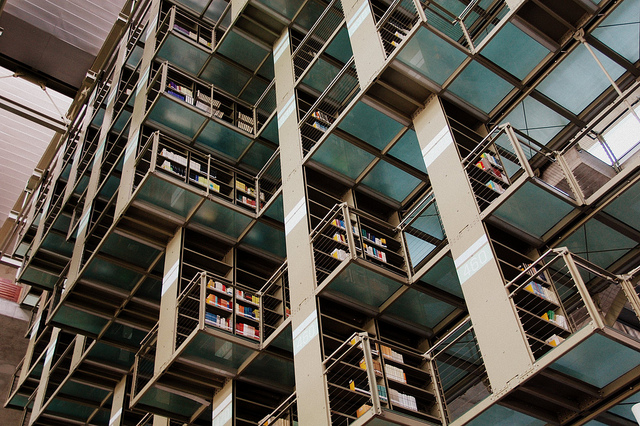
(52, 44)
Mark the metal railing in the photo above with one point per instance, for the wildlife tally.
(275, 306)
(285, 414)
(180, 23)
(346, 233)
(144, 365)
(394, 21)
(559, 293)
(268, 180)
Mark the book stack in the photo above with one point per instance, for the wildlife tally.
(317, 125)
(247, 311)
(216, 108)
(217, 321)
(489, 164)
(363, 409)
(399, 34)
(559, 320)
(403, 400)
(247, 330)
(214, 300)
(322, 116)
(245, 122)
(203, 101)
(495, 186)
(554, 340)
(185, 32)
(540, 290)
(377, 366)
(382, 391)
(246, 200)
(180, 92)
(374, 252)
(394, 373)
(166, 165)
(340, 238)
(339, 254)
(382, 242)
(389, 353)
(217, 285)
(340, 224)
(246, 296)
(174, 157)
(203, 41)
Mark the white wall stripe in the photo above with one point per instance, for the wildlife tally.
(305, 332)
(473, 259)
(280, 48)
(471, 250)
(170, 277)
(296, 214)
(286, 111)
(437, 146)
(357, 19)
(115, 417)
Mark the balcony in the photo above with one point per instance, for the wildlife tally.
(284, 415)
(223, 331)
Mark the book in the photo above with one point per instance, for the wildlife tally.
(319, 126)
(339, 254)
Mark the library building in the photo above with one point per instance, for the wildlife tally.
(328, 213)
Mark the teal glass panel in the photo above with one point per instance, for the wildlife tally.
(309, 14)
(195, 5)
(276, 210)
(585, 361)
(407, 149)
(168, 196)
(515, 51)
(623, 409)
(69, 409)
(480, 87)
(243, 51)
(266, 70)
(270, 369)
(121, 121)
(151, 288)
(257, 156)
(320, 75)
(223, 139)
(215, 9)
(220, 218)
(97, 120)
(65, 172)
(497, 415)
(598, 243)
(533, 210)
(125, 335)
(135, 56)
(287, 8)
(370, 125)
(39, 278)
(577, 81)
(284, 340)
(81, 320)
(183, 54)
(109, 187)
(626, 207)
(270, 132)
(418, 248)
(81, 185)
(99, 270)
(225, 76)
(443, 275)
(223, 353)
(620, 30)
(431, 56)
(364, 286)
(169, 402)
(429, 222)
(340, 47)
(267, 238)
(442, 23)
(253, 91)
(110, 354)
(417, 307)
(58, 244)
(391, 181)
(536, 120)
(129, 250)
(342, 156)
(171, 114)
(85, 392)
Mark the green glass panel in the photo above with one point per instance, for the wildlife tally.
(620, 30)
(223, 219)
(121, 121)
(417, 307)
(223, 353)
(195, 5)
(81, 320)
(370, 125)
(257, 156)
(515, 51)
(431, 56)
(253, 91)
(266, 238)
(135, 56)
(598, 243)
(342, 156)
(215, 9)
(168, 196)
(171, 114)
(223, 139)
(112, 355)
(58, 244)
(287, 8)
(125, 335)
(129, 250)
(626, 207)
(429, 222)
(480, 87)
(270, 369)
(320, 75)
(65, 173)
(284, 340)
(391, 181)
(584, 362)
(340, 47)
(536, 120)
(309, 14)
(169, 402)
(497, 415)
(407, 149)
(267, 70)
(577, 81)
(84, 392)
(225, 76)
(623, 409)
(97, 120)
(242, 50)
(533, 210)
(183, 54)
(99, 270)
(276, 210)
(18, 400)
(363, 285)
(39, 278)
(150, 288)
(81, 185)
(443, 275)
(69, 409)
(418, 248)
(110, 186)
(270, 132)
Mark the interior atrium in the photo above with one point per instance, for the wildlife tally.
(341, 212)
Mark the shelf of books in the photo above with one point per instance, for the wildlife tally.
(394, 22)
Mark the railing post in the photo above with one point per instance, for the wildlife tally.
(571, 179)
(371, 375)
(524, 162)
(420, 10)
(203, 296)
(592, 309)
(209, 174)
(437, 389)
(632, 297)
(154, 151)
(349, 231)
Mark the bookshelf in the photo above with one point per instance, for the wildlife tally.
(204, 254)
(246, 193)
